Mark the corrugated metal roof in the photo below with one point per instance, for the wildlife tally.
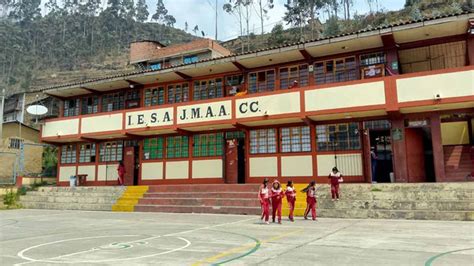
(369, 29)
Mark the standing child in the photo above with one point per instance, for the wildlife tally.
(277, 195)
(310, 191)
(290, 194)
(264, 197)
(335, 178)
(121, 173)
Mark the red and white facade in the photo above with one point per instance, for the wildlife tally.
(405, 90)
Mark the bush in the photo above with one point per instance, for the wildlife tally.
(11, 199)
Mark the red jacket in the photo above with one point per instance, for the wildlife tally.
(277, 194)
(290, 193)
(121, 170)
(263, 193)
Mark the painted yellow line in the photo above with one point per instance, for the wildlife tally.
(241, 248)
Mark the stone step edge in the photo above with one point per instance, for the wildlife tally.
(194, 206)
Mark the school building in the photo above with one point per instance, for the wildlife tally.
(196, 113)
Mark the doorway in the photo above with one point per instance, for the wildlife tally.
(381, 141)
(131, 162)
(419, 152)
(234, 168)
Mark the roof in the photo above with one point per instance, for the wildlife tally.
(318, 46)
(145, 40)
(18, 122)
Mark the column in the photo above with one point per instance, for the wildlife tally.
(399, 150)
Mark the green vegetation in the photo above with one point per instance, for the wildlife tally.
(76, 40)
(375, 189)
(10, 200)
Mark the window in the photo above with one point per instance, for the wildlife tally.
(87, 153)
(234, 135)
(262, 81)
(190, 59)
(155, 96)
(178, 93)
(207, 89)
(132, 99)
(377, 124)
(15, 143)
(68, 153)
(177, 147)
(337, 70)
(263, 141)
(338, 137)
(155, 66)
(113, 101)
(233, 84)
(153, 148)
(293, 77)
(90, 105)
(208, 145)
(111, 151)
(71, 107)
(372, 59)
(295, 139)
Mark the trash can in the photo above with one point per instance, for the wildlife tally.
(72, 181)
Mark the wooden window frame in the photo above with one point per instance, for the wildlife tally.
(333, 75)
(66, 108)
(260, 84)
(171, 94)
(208, 145)
(297, 140)
(263, 139)
(334, 138)
(103, 152)
(86, 154)
(68, 154)
(182, 147)
(157, 148)
(294, 73)
(199, 92)
(150, 97)
(85, 103)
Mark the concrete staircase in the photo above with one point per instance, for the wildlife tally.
(458, 162)
(424, 201)
(78, 198)
(222, 198)
(129, 198)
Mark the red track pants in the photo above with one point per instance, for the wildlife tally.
(291, 206)
(265, 209)
(310, 206)
(276, 207)
(335, 191)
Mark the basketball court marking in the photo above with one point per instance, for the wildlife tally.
(22, 255)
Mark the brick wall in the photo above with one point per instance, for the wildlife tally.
(144, 51)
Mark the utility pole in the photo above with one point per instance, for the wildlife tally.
(216, 22)
(2, 103)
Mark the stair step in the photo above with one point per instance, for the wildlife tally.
(241, 195)
(198, 209)
(201, 202)
(67, 206)
(398, 214)
(62, 199)
(205, 188)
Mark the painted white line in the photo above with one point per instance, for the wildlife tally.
(208, 227)
(30, 260)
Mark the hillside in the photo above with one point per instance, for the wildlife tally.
(68, 45)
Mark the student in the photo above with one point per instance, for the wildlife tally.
(264, 197)
(310, 191)
(121, 173)
(290, 194)
(373, 163)
(277, 195)
(335, 177)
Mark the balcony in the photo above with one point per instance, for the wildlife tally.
(417, 92)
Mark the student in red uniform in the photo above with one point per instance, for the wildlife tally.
(121, 173)
(264, 197)
(335, 177)
(290, 194)
(277, 195)
(310, 191)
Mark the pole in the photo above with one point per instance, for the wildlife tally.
(216, 20)
(2, 103)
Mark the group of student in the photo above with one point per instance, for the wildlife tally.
(274, 196)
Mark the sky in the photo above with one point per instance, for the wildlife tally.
(202, 13)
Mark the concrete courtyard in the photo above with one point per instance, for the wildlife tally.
(47, 237)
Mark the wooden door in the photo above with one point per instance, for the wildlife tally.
(415, 154)
(129, 163)
(231, 161)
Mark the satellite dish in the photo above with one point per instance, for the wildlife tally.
(37, 109)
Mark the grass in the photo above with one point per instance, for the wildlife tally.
(375, 189)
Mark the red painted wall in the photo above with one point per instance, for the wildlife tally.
(415, 155)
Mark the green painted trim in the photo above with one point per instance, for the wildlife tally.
(430, 260)
(255, 248)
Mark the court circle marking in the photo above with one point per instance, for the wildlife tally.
(48, 260)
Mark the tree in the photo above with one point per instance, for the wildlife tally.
(26, 11)
(169, 20)
(264, 7)
(195, 29)
(276, 36)
(299, 12)
(142, 11)
(332, 27)
(127, 9)
(186, 26)
(161, 12)
(409, 3)
(241, 10)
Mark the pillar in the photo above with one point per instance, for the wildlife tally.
(438, 152)
(470, 42)
(399, 150)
